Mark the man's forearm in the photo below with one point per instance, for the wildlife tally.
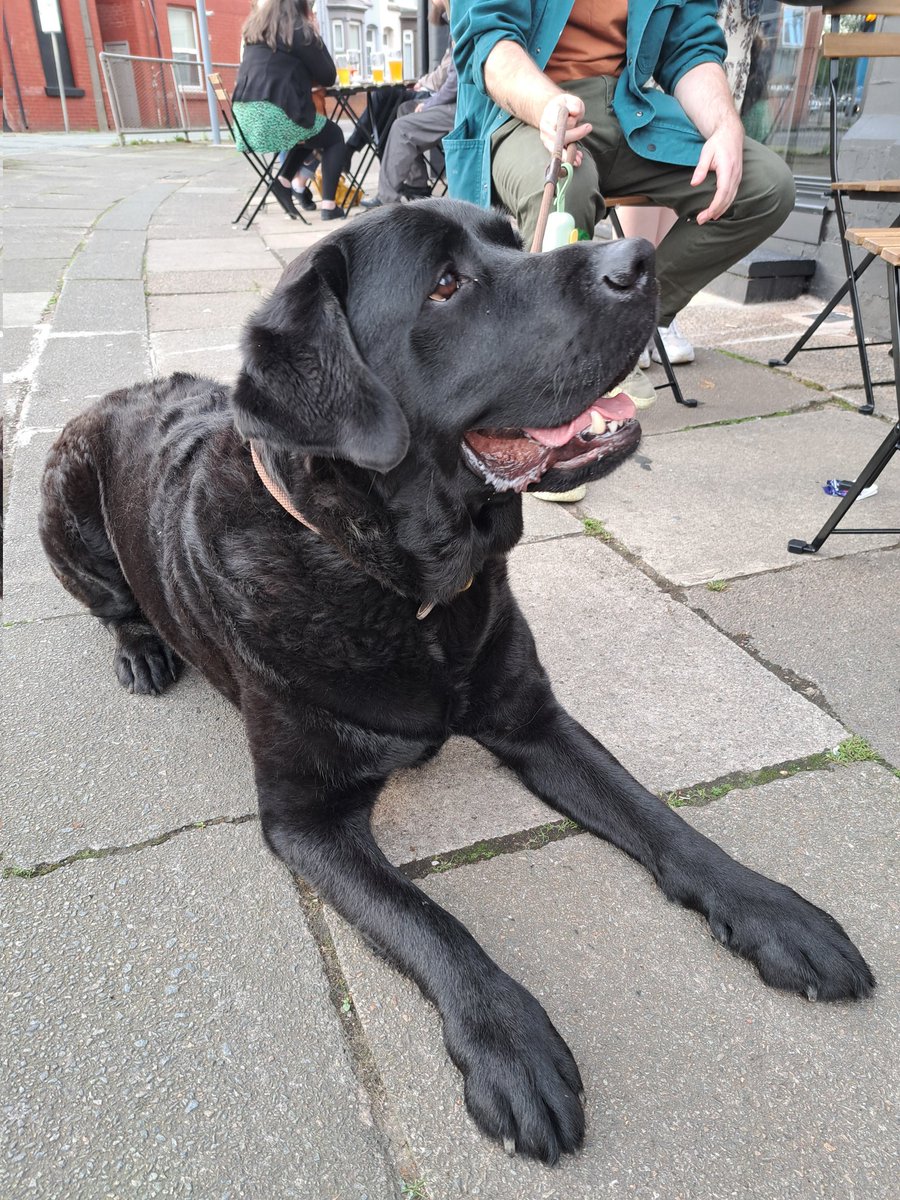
(515, 82)
(705, 96)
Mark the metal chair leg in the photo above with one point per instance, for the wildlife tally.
(672, 382)
(882, 456)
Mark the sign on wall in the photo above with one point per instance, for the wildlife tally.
(48, 15)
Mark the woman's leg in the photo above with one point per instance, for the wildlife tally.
(330, 141)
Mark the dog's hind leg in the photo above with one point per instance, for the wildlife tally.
(76, 541)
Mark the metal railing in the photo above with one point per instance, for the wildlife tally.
(152, 95)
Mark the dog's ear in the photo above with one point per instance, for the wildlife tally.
(304, 385)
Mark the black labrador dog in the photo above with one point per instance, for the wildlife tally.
(327, 543)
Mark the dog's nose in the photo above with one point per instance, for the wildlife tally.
(626, 263)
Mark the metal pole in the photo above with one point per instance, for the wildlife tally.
(207, 71)
(102, 122)
(59, 80)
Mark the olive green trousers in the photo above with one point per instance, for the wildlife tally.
(690, 255)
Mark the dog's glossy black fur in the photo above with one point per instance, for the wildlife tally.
(381, 349)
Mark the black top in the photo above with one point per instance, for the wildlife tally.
(285, 76)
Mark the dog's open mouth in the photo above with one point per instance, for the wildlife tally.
(513, 459)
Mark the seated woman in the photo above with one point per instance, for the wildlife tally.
(283, 58)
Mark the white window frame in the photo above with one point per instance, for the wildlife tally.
(337, 37)
(181, 53)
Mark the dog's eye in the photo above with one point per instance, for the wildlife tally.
(448, 285)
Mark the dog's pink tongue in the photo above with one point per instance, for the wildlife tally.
(612, 408)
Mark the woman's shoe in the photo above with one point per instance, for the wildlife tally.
(371, 202)
(285, 198)
(332, 214)
(305, 199)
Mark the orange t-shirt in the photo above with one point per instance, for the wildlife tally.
(592, 43)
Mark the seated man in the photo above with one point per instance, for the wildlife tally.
(522, 62)
(418, 129)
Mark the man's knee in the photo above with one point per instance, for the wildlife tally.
(771, 189)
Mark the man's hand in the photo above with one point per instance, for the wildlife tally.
(722, 153)
(704, 95)
(576, 126)
(515, 82)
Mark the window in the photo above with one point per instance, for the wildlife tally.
(786, 102)
(354, 35)
(185, 47)
(409, 55)
(337, 37)
(45, 45)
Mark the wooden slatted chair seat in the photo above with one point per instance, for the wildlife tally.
(884, 242)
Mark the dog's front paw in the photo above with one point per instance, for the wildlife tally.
(793, 944)
(522, 1085)
(144, 664)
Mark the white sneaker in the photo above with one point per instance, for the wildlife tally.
(639, 388)
(644, 361)
(571, 497)
(678, 348)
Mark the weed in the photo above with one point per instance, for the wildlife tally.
(595, 528)
(418, 1190)
(717, 585)
(346, 1003)
(480, 852)
(854, 749)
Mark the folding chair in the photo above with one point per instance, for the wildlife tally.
(612, 203)
(838, 45)
(883, 244)
(265, 167)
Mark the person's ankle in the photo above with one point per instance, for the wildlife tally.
(327, 204)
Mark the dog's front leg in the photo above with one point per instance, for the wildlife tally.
(521, 1083)
(793, 944)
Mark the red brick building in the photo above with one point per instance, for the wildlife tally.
(150, 28)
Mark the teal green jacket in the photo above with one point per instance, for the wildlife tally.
(665, 39)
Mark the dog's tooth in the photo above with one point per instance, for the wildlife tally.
(613, 426)
(598, 425)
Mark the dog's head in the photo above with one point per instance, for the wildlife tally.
(421, 346)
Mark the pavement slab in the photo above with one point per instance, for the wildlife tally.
(200, 311)
(261, 279)
(110, 254)
(673, 700)
(50, 244)
(725, 389)
(33, 275)
(855, 670)
(75, 370)
(16, 348)
(170, 1035)
(97, 767)
(213, 350)
(702, 1084)
(206, 254)
(724, 501)
(31, 590)
(101, 306)
(24, 308)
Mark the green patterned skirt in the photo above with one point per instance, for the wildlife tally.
(267, 129)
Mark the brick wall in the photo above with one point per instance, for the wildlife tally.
(112, 21)
(43, 111)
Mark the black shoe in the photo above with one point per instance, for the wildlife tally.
(332, 214)
(285, 198)
(372, 202)
(412, 192)
(305, 200)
